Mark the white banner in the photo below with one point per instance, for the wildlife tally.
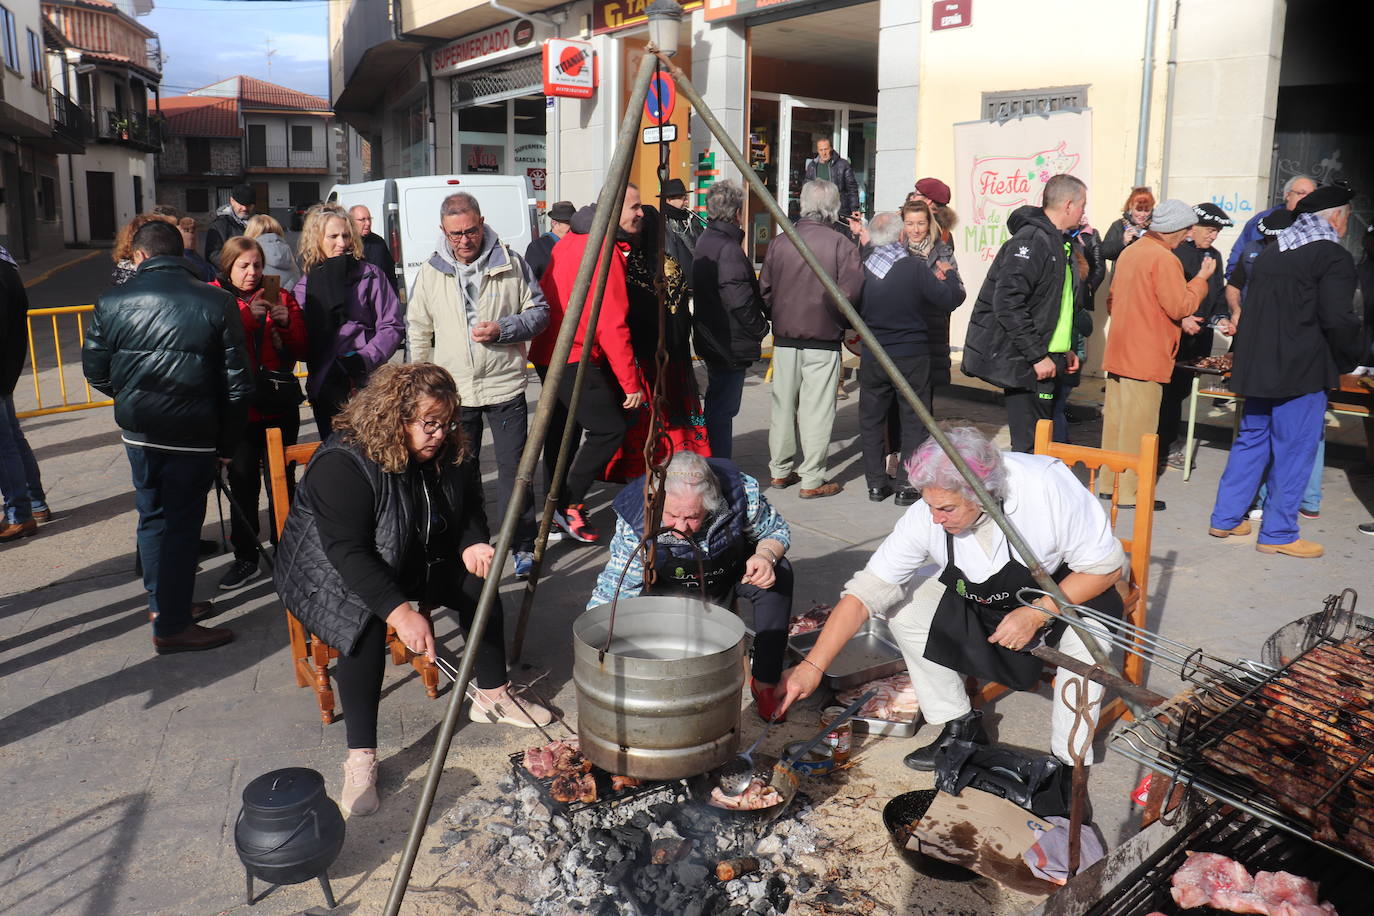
(999, 167)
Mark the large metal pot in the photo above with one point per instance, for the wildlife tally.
(664, 702)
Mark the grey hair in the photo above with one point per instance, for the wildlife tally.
(1061, 189)
(1331, 213)
(724, 200)
(885, 228)
(688, 474)
(459, 202)
(820, 199)
(1288, 185)
(930, 468)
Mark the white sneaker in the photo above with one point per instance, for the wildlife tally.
(359, 795)
(1255, 515)
(503, 709)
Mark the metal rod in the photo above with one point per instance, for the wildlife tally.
(606, 213)
(875, 350)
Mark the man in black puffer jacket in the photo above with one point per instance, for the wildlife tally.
(728, 318)
(1020, 335)
(170, 350)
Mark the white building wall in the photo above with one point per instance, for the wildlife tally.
(899, 96)
(124, 163)
(720, 72)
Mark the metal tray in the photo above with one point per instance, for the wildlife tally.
(872, 653)
(884, 728)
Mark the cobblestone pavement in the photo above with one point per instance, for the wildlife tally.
(122, 771)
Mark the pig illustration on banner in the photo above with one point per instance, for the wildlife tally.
(1010, 181)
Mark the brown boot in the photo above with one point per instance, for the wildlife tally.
(194, 638)
(1239, 531)
(782, 483)
(17, 530)
(1306, 550)
(829, 488)
(200, 610)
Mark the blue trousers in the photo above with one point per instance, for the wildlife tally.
(170, 489)
(1312, 496)
(724, 390)
(1281, 435)
(20, 483)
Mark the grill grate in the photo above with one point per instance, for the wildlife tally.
(1257, 845)
(605, 797)
(1292, 746)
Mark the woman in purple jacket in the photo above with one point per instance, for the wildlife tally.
(352, 316)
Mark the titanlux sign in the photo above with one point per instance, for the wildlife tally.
(482, 48)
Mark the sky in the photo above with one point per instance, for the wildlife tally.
(204, 41)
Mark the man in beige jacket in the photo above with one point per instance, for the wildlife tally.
(474, 306)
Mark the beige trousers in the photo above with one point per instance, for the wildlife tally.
(803, 401)
(1132, 411)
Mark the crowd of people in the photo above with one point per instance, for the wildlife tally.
(387, 521)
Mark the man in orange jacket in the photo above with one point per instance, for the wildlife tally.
(1149, 301)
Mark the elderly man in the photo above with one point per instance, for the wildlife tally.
(1294, 190)
(1020, 335)
(1151, 303)
(1297, 308)
(729, 319)
(807, 330)
(474, 306)
(898, 291)
(375, 249)
(834, 168)
(712, 504)
(230, 220)
(540, 251)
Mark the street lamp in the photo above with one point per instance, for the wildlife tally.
(665, 18)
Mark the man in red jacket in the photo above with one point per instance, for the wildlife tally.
(613, 383)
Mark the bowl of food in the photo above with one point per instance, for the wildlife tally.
(760, 801)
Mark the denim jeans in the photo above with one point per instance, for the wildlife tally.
(509, 431)
(20, 482)
(170, 490)
(724, 390)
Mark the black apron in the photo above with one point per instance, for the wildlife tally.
(969, 612)
(676, 573)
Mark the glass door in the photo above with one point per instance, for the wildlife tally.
(861, 149)
(803, 123)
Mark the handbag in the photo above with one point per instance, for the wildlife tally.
(1039, 783)
(278, 390)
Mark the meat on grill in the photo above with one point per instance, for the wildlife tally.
(1212, 880)
(561, 758)
(759, 794)
(574, 787)
(619, 783)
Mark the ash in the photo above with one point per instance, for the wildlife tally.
(602, 860)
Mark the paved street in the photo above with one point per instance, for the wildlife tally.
(123, 770)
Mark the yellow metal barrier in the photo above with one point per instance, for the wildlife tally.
(60, 365)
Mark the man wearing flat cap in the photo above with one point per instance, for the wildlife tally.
(230, 220)
(538, 252)
(1150, 300)
(1196, 341)
(1298, 325)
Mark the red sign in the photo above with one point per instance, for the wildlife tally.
(569, 68)
(950, 14)
(495, 43)
(661, 98)
(538, 178)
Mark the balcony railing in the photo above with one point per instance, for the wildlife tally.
(69, 118)
(282, 157)
(136, 127)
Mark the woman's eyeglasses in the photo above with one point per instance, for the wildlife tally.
(430, 427)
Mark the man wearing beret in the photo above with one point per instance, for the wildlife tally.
(1299, 322)
(1150, 302)
(1198, 247)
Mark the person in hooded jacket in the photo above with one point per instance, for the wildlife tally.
(1020, 335)
(352, 315)
(277, 256)
(230, 220)
(474, 306)
(729, 318)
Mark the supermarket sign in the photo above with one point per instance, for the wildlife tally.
(510, 39)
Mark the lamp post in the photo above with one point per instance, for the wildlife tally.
(665, 19)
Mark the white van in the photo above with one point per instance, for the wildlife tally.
(405, 212)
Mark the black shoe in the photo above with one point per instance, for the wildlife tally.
(1367, 528)
(878, 494)
(968, 727)
(1159, 505)
(907, 496)
(240, 574)
(208, 547)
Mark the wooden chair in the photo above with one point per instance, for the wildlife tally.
(309, 655)
(1134, 588)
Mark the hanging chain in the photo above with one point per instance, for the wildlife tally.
(655, 472)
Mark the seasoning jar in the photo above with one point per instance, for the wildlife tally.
(841, 739)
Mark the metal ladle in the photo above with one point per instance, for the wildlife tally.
(734, 777)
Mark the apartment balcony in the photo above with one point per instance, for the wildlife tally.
(281, 159)
(71, 126)
(141, 130)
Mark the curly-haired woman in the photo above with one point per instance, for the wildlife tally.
(352, 316)
(389, 514)
(123, 252)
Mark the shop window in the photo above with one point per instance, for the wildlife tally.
(999, 106)
(197, 200)
(47, 191)
(11, 39)
(302, 139)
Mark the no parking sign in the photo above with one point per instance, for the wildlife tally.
(661, 98)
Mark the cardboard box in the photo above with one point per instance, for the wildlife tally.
(984, 834)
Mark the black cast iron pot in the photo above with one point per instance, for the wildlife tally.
(289, 829)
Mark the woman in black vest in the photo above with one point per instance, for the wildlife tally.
(389, 514)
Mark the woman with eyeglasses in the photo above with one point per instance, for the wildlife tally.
(352, 316)
(388, 520)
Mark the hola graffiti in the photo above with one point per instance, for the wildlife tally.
(1010, 181)
(1233, 203)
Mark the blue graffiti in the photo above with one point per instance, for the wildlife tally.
(1233, 203)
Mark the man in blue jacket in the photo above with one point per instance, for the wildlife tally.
(170, 350)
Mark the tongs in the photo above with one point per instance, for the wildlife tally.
(449, 671)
